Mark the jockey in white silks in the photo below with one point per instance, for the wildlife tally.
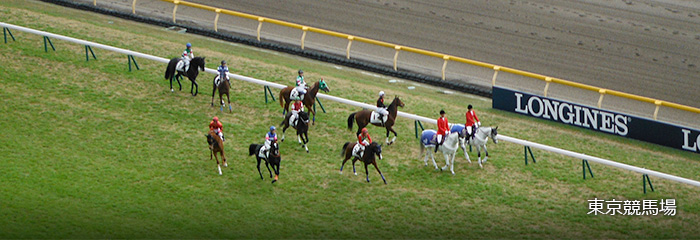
(381, 108)
(187, 55)
(269, 138)
(296, 108)
(223, 70)
(301, 85)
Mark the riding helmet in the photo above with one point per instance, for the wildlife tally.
(272, 128)
(188, 45)
(301, 71)
(469, 107)
(364, 130)
(442, 111)
(216, 118)
(381, 93)
(223, 62)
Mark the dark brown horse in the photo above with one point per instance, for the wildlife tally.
(274, 159)
(362, 119)
(216, 146)
(196, 64)
(223, 87)
(309, 97)
(368, 157)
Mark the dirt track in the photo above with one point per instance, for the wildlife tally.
(649, 48)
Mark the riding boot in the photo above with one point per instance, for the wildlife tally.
(436, 147)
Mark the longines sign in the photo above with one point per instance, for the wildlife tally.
(597, 119)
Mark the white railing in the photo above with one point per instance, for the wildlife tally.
(368, 106)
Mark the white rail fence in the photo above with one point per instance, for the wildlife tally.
(368, 106)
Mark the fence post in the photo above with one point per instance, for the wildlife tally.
(266, 89)
(347, 51)
(396, 56)
(303, 36)
(133, 7)
(5, 31)
(131, 58)
(260, 20)
(585, 164)
(320, 104)
(175, 9)
(600, 99)
(87, 57)
(645, 179)
(216, 20)
(495, 73)
(546, 86)
(444, 65)
(528, 149)
(656, 111)
(417, 123)
(46, 49)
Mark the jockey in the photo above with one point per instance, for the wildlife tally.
(187, 55)
(270, 137)
(443, 129)
(381, 108)
(296, 108)
(223, 70)
(301, 85)
(363, 140)
(472, 122)
(217, 127)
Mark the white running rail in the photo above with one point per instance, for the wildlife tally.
(368, 106)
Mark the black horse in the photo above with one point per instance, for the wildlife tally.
(368, 157)
(302, 128)
(274, 158)
(196, 64)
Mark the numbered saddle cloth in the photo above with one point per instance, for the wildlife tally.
(374, 118)
(356, 150)
(180, 67)
(261, 153)
(429, 138)
(294, 94)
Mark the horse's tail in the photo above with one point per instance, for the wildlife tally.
(342, 153)
(251, 149)
(350, 120)
(422, 148)
(170, 70)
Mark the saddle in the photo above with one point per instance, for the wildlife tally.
(374, 118)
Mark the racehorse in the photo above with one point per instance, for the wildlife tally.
(196, 64)
(216, 146)
(274, 158)
(223, 87)
(302, 128)
(448, 148)
(481, 137)
(363, 119)
(309, 97)
(368, 157)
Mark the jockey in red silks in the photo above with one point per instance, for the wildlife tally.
(270, 137)
(472, 121)
(443, 129)
(217, 127)
(296, 108)
(363, 140)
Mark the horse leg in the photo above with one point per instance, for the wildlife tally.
(223, 156)
(261, 177)
(466, 155)
(267, 164)
(229, 103)
(313, 112)
(366, 172)
(343, 164)
(380, 172)
(432, 157)
(306, 140)
(487, 153)
(447, 161)
(391, 128)
(425, 159)
(178, 77)
(192, 88)
(171, 84)
(277, 172)
(387, 137)
(354, 159)
(478, 154)
(217, 164)
(452, 163)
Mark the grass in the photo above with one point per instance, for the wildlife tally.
(90, 150)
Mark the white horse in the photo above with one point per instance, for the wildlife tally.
(459, 128)
(481, 137)
(448, 148)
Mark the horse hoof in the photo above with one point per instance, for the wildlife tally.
(355, 174)
(273, 181)
(171, 90)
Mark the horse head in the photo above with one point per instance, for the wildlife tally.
(304, 116)
(274, 149)
(377, 148)
(323, 86)
(494, 134)
(199, 62)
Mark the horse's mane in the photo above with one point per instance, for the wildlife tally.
(217, 140)
(394, 104)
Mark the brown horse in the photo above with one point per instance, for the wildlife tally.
(216, 146)
(368, 157)
(309, 97)
(362, 119)
(223, 87)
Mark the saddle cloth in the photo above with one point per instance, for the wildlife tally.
(374, 118)
(180, 67)
(429, 138)
(261, 153)
(356, 150)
